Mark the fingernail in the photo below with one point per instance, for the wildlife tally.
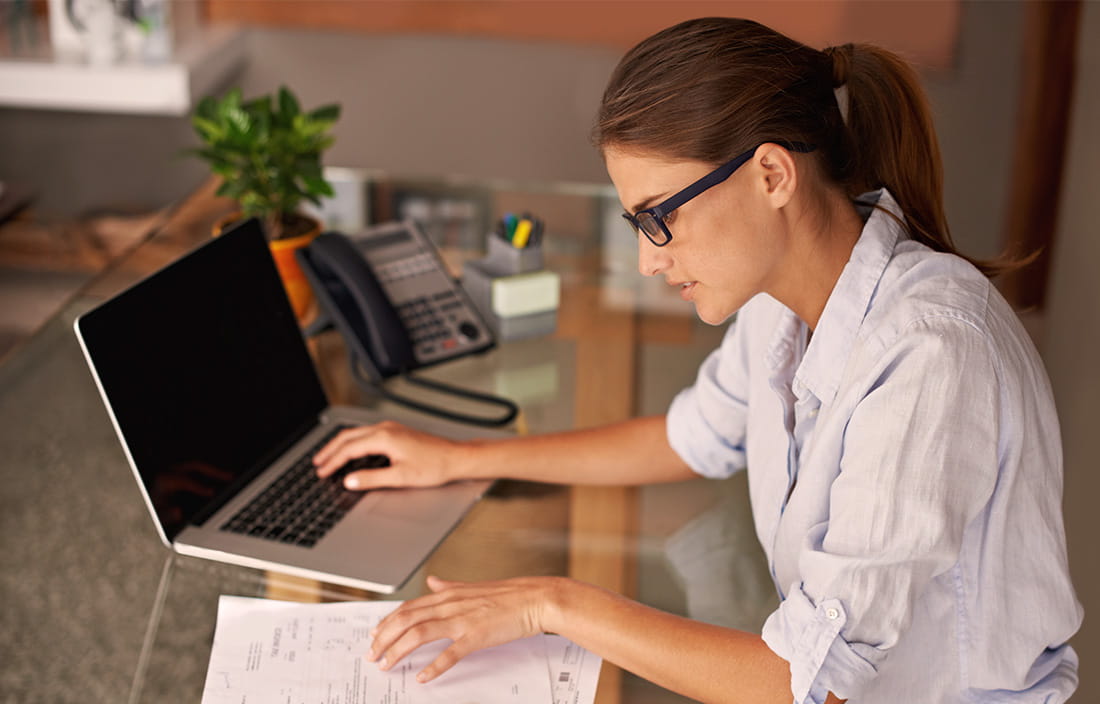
(351, 483)
(422, 677)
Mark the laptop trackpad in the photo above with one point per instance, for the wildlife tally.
(422, 505)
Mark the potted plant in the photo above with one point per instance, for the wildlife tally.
(268, 153)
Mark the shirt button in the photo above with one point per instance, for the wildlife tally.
(832, 613)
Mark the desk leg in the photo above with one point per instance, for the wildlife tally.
(601, 533)
(603, 520)
(285, 587)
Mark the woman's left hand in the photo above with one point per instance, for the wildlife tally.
(473, 615)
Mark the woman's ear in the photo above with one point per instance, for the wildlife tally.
(778, 172)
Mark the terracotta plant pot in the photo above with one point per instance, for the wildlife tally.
(282, 251)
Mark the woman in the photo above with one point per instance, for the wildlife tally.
(896, 422)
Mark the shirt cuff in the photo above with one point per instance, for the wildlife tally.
(808, 637)
(690, 436)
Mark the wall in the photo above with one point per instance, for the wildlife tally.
(490, 108)
(924, 30)
(1071, 340)
(975, 106)
(83, 162)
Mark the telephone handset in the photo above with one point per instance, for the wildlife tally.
(388, 294)
(365, 316)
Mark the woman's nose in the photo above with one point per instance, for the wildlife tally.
(652, 260)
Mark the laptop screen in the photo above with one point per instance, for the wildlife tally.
(206, 372)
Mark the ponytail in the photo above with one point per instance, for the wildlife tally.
(892, 142)
(710, 88)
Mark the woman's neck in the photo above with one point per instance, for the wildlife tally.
(822, 239)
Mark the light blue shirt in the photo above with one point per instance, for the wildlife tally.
(905, 472)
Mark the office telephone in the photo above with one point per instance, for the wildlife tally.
(387, 292)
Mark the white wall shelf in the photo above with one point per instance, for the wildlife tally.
(201, 64)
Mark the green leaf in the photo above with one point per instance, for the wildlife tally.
(238, 120)
(258, 106)
(288, 104)
(207, 109)
(209, 130)
(309, 166)
(231, 102)
(317, 186)
(225, 190)
(328, 113)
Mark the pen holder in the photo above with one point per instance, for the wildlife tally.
(514, 294)
(503, 258)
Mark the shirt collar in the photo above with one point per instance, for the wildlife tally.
(824, 362)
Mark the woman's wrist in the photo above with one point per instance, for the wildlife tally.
(466, 461)
(558, 596)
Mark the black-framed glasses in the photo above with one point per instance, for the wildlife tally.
(651, 221)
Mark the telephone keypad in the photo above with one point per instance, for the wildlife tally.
(422, 322)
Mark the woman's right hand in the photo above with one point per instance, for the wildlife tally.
(417, 459)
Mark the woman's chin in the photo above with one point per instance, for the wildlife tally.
(711, 314)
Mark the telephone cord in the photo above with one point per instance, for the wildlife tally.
(510, 408)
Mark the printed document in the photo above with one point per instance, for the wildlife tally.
(289, 653)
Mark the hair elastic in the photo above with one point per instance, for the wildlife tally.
(841, 94)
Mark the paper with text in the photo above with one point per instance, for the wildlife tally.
(574, 671)
(289, 653)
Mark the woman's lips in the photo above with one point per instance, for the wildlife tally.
(686, 290)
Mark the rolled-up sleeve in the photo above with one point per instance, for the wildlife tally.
(919, 464)
(706, 421)
(808, 636)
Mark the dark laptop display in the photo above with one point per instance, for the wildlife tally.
(205, 369)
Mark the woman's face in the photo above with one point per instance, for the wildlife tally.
(727, 243)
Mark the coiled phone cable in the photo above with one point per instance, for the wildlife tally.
(368, 384)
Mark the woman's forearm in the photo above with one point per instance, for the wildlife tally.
(701, 661)
(633, 452)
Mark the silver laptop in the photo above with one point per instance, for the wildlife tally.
(219, 409)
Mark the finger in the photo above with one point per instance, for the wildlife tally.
(400, 620)
(446, 660)
(366, 479)
(324, 458)
(335, 461)
(343, 439)
(342, 450)
(411, 639)
(437, 585)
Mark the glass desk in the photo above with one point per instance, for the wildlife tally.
(99, 610)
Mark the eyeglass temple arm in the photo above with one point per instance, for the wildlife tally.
(715, 177)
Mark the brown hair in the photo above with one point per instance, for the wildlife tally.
(709, 89)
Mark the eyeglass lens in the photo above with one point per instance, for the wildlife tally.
(652, 228)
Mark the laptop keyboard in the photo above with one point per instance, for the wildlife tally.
(299, 508)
